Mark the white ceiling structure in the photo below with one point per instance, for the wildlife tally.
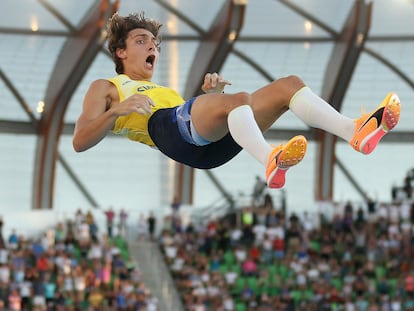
(350, 52)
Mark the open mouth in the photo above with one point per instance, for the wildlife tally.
(150, 60)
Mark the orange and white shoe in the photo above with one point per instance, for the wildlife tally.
(370, 128)
(282, 158)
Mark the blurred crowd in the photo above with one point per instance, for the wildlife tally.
(72, 266)
(360, 258)
(348, 257)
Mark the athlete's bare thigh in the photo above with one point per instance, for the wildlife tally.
(209, 113)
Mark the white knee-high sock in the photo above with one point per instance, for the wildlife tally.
(316, 112)
(245, 131)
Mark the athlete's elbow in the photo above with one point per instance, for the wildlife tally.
(81, 143)
(78, 146)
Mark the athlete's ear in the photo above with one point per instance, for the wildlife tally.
(121, 53)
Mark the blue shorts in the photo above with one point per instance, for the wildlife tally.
(172, 132)
(185, 124)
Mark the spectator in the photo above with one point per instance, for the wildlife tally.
(2, 243)
(409, 285)
(110, 217)
(84, 237)
(268, 202)
(240, 254)
(142, 228)
(49, 290)
(25, 291)
(59, 233)
(396, 303)
(152, 221)
(223, 236)
(272, 218)
(39, 299)
(247, 295)
(247, 217)
(259, 231)
(228, 303)
(267, 250)
(123, 222)
(4, 256)
(279, 247)
(13, 240)
(248, 236)
(93, 227)
(249, 267)
(175, 205)
(42, 264)
(231, 276)
(257, 193)
(308, 224)
(261, 216)
(14, 300)
(275, 230)
(5, 273)
(95, 298)
(235, 236)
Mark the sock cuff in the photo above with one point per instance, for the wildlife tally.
(242, 107)
(299, 92)
(239, 110)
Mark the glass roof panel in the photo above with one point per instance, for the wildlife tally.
(125, 163)
(195, 11)
(398, 54)
(392, 18)
(30, 15)
(73, 10)
(9, 106)
(274, 19)
(331, 13)
(29, 66)
(16, 167)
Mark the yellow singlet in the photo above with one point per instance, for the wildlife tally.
(135, 126)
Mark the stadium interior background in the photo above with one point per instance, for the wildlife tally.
(51, 51)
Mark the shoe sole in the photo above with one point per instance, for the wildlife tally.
(291, 154)
(389, 120)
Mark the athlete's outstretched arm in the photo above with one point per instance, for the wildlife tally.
(95, 119)
(100, 110)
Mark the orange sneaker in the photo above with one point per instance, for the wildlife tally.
(370, 128)
(282, 158)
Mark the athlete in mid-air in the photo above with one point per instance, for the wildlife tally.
(209, 130)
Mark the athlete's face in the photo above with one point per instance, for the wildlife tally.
(140, 55)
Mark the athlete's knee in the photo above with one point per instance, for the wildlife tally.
(292, 81)
(287, 86)
(241, 98)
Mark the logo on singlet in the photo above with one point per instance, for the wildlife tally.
(144, 88)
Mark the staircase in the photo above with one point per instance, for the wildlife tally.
(156, 276)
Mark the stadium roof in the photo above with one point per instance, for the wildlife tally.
(352, 53)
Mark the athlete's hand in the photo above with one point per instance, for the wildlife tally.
(214, 83)
(135, 103)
